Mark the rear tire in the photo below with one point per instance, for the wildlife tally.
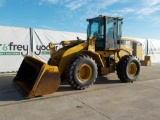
(81, 72)
(128, 68)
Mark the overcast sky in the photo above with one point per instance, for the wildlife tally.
(141, 17)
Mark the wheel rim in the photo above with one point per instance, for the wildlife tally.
(132, 69)
(85, 72)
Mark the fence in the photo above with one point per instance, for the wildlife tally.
(16, 42)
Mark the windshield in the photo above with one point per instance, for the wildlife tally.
(96, 28)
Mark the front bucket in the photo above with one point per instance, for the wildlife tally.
(36, 78)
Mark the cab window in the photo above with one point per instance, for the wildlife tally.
(110, 28)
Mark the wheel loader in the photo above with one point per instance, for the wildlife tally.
(79, 62)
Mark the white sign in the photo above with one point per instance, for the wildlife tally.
(13, 43)
(154, 50)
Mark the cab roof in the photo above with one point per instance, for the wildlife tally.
(102, 16)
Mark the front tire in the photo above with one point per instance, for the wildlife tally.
(82, 72)
(128, 68)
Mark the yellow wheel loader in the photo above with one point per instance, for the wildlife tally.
(80, 61)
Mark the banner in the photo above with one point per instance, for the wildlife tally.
(144, 45)
(14, 42)
(154, 50)
(42, 38)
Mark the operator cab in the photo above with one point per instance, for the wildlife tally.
(106, 30)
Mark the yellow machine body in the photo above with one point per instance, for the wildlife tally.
(79, 62)
(37, 78)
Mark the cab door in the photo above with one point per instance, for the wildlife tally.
(113, 33)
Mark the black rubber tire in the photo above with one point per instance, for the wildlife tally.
(122, 68)
(72, 68)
